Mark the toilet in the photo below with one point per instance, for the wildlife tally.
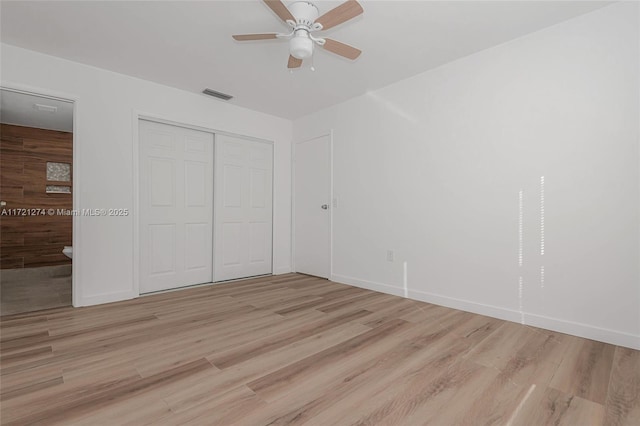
(68, 251)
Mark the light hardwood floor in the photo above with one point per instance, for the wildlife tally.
(294, 349)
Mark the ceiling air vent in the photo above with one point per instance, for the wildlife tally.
(215, 94)
(45, 108)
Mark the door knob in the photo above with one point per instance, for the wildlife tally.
(324, 206)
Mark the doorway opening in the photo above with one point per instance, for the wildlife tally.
(36, 202)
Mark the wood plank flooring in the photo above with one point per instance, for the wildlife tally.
(294, 349)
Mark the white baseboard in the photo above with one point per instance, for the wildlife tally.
(585, 330)
(555, 324)
(465, 305)
(560, 325)
(282, 270)
(106, 298)
(369, 285)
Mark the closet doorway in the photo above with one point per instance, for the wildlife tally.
(205, 206)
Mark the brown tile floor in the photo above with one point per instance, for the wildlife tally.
(34, 289)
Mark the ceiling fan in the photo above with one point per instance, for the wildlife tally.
(302, 17)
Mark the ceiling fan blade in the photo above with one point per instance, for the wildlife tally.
(341, 49)
(247, 37)
(347, 10)
(280, 9)
(294, 62)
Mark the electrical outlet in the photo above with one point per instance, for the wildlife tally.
(390, 255)
(335, 202)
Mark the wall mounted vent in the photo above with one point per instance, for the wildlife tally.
(216, 94)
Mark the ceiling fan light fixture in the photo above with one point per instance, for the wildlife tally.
(302, 17)
(301, 46)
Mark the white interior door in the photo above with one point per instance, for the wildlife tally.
(176, 201)
(243, 208)
(312, 183)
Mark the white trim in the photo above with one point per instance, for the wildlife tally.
(556, 324)
(465, 305)
(200, 127)
(76, 262)
(214, 213)
(282, 270)
(369, 285)
(273, 201)
(213, 207)
(331, 204)
(585, 330)
(293, 199)
(638, 169)
(292, 212)
(135, 215)
(99, 299)
(38, 91)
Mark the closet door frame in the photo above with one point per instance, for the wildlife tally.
(135, 213)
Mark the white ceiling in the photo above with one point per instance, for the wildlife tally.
(20, 109)
(188, 44)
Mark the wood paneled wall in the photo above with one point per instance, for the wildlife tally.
(32, 240)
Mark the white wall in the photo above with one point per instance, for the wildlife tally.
(432, 166)
(104, 251)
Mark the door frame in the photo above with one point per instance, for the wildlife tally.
(76, 288)
(332, 200)
(138, 115)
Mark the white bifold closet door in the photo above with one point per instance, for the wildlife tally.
(243, 208)
(176, 206)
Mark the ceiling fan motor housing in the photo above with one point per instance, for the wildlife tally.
(305, 13)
